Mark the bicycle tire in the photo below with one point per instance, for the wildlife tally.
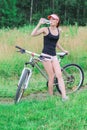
(21, 86)
(73, 76)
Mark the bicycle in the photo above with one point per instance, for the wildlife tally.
(73, 74)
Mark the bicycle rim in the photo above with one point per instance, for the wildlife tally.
(21, 86)
(73, 77)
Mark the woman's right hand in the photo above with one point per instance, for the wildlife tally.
(42, 21)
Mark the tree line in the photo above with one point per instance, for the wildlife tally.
(15, 13)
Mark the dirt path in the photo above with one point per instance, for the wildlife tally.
(32, 96)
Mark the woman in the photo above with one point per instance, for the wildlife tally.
(50, 62)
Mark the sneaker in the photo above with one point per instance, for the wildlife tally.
(65, 99)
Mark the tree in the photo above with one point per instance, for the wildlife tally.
(19, 12)
(31, 10)
(8, 13)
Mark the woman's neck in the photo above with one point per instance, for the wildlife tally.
(53, 27)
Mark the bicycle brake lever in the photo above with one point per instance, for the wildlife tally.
(22, 51)
(17, 51)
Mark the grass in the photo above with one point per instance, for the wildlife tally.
(46, 114)
(43, 112)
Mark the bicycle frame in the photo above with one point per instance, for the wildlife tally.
(43, 74)
(34, 62)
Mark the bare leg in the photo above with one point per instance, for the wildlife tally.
(49, 69)
(58, 73)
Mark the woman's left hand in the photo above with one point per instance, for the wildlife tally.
(66, 52)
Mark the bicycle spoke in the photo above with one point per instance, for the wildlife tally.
(73, 77)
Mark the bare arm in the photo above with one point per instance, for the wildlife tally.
(37, 30)
(61, 48)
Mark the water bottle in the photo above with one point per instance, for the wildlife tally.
(46, 21)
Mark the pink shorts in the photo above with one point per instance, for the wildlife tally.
(46, 57)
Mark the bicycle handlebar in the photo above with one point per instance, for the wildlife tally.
(21, 50)
(61, 54)
(18, 47)
(26, 51)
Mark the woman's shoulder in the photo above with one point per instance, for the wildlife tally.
(45, 30)
(60, 30)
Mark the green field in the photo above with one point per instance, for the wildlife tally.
(49, 113)
(39, 111)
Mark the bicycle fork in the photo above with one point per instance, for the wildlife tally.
(26, 73)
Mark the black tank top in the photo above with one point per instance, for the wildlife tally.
(50, 42)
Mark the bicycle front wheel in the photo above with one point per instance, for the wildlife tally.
(22, 85)
(73, 77)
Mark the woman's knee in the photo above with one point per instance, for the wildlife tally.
(51, 78)
(59, 75)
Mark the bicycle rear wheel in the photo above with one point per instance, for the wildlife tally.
(22, 85)
(73, 77)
